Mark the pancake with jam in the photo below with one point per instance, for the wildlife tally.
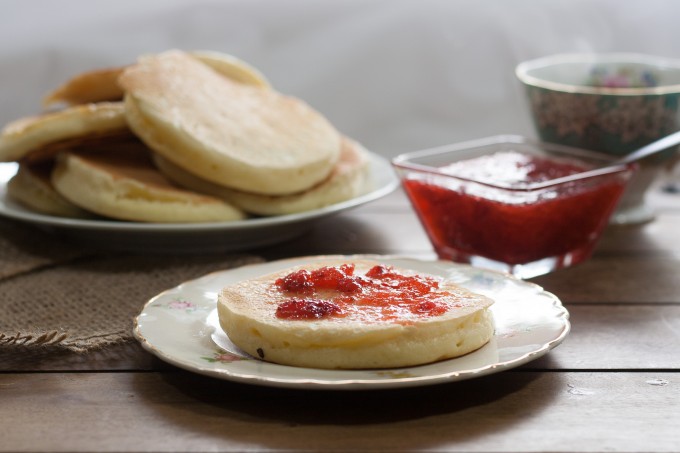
(358, 314)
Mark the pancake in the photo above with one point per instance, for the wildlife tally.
(232, 67)
(31, 187)
(100, 143)
(125, 185)
(30, 134)
(348, 179)
(231, 134)
(101, 85)
(345, 329)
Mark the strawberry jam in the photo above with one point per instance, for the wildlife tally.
(307, 309)
(381, 294)
(502, 207)
(333, 278)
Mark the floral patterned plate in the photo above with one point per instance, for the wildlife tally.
(181, 327)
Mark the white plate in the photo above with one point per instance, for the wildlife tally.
(181, 327)
(194, 237)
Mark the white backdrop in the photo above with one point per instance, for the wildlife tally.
(397, 75)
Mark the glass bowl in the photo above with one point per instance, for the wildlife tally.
(512, 204)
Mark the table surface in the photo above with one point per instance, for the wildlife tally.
(613, 385)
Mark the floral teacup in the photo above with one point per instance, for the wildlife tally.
(611, 103)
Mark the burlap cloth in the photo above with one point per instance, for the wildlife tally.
(60, 296)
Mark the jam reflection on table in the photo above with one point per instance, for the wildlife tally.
(513, 223)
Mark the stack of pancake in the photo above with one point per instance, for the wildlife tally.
(179, 137)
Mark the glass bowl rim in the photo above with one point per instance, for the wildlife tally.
(403, 162)
(522, 71)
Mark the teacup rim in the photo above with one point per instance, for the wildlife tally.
(522, 72)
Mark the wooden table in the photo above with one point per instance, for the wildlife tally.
(613, 385)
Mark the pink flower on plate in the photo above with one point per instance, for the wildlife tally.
(223, 356)
(179, 304)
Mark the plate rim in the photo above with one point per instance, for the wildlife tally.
(311, 383)
(380, 166)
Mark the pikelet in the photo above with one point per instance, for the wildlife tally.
(243, 137)
(214, 125)
(31, 187)
(349, 178)
(40, 137)
(101, 85)
(36, 141)
(359, 314)
(125, 185)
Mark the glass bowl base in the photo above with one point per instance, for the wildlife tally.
(523, 271)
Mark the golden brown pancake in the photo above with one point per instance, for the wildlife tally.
(101, 85)
(24, 136)
(125, 185)
(231, 134)
(349, 179)
(31, 187)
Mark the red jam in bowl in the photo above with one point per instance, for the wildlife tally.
(508, 207)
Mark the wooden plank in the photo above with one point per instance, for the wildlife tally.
(623, 337)
(624, 279)
(377, 229)
(512, 411)
(374, 232)
(637, 274)
(397, 200)
(656, 237)
(127, 356)
(603, 337)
